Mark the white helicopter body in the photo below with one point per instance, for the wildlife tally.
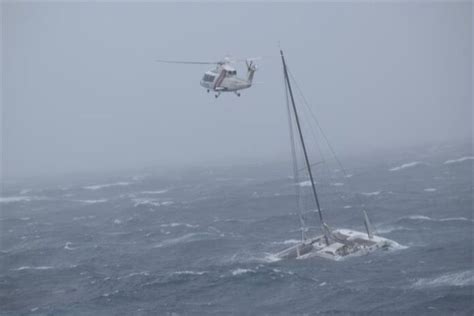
(223, 78)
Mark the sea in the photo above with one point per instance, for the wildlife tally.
(202, 240)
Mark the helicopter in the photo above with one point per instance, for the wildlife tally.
(223, 78)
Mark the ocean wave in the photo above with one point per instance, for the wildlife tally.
(451, 161)
(270, 257)
(34, 268)
(430, 190)
(68, 246)
(463, 278)
(141, 273)
(152, 202)
(371, 193)
(12, 199)
(390, 229)
(179, 224)
(79, 218)
(394, 246)
(286, 242)
(427, 218)
(240, 271)
(187, 272)
(182, 239)
(91, 201)
(407, 165)
(155, 192)
(244, 257)
(107, 185)
(305, 183)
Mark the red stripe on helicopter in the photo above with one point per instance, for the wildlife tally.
(220, 79)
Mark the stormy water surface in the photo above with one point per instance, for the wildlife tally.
(203, 241)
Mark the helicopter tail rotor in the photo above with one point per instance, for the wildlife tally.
(251, 68)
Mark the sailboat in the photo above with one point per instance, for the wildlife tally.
(334, 244)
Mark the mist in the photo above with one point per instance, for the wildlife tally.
(81, 90)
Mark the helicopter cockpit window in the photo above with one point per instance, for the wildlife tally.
(208, 78)
(231, 72)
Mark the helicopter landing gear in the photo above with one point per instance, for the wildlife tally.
(217, 95)
(237, 93)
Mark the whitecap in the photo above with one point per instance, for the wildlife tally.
(305, 183)
(155, 192)
(152, 202)
(337, 184)
(371, 193)
(419, 217)
(13, 199)
(117, 221)
(187, 272)
(455, 219)
(407, 165)
(179, 224)
(78, 218)
(463, 278)
(286, 242)
(240, 271)
(389, 229)
(451, 161)
(269, 257)
(347, 206)
(430, 190)
(107, 185)
(181, 239)
(448, 219)
(34, 268)
(111, 293)
(141, 273)
(92, 201)
(68, 246)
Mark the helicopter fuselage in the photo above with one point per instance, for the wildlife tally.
(224, 79)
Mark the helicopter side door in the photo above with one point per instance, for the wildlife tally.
(219, 80)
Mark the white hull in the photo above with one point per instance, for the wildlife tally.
(343, 243)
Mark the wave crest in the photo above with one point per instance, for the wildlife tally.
(463, 278)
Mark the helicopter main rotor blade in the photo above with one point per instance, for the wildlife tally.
(186, 62)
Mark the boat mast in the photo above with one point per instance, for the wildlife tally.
(308, 165)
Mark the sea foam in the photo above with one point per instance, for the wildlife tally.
(459, 279)
(451, 161)
(406, 165)
(107, 185)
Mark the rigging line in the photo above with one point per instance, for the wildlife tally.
(326, 167)
(314, 134)
(295, 165)
(308, 165)
(305, 102)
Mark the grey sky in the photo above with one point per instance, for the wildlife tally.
(81, 90)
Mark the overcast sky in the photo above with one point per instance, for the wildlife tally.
(82, 91)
